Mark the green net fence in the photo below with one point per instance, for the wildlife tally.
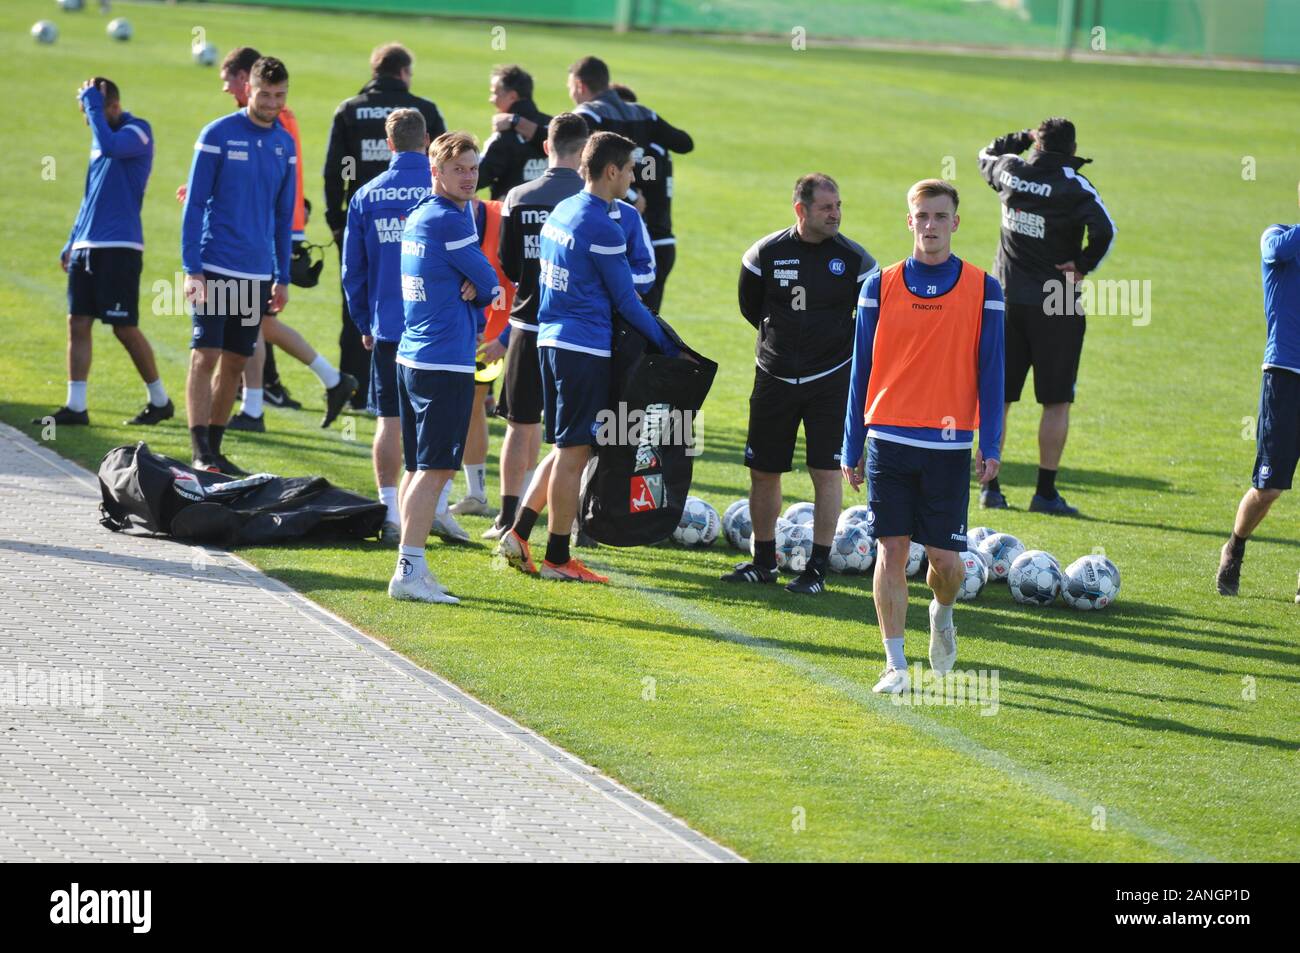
(1262, 30)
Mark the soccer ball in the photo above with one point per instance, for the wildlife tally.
(737, 526)
(794, 549)
(782, 527)
(976, 575)
(205, 54)
(43, 31)
(699, 525)
(916, 560)
(1035, 578)
(1091, 582)
(977, 535)
(119, 29)
(853, 516)
(1001, 550)
(800, 513)
(853, 551)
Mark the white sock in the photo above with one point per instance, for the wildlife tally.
(76, 395)
(327, 372)
(414, 555)
(476, 480)
(157, 393)
(894, 654)
(442, 500)
(388, 496)
(253, 401)
(528, 481)
(941, 615)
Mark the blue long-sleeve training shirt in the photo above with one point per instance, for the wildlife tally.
(584, 275)
(372, 245)
(121, 158)
(440, 251)
(1280, 250)
(238, 217)
(928, 281)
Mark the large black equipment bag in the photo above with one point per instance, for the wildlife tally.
(635, 487)
(166, 496)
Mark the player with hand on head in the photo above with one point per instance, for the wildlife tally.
(927, 371)
(511, 158)
(1277, 435)
(104, 253)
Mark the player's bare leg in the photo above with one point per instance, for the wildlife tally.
(565, 482)
(945, 579)
(764, 508)
(1251, 511)
(889, 591)
(80, 345)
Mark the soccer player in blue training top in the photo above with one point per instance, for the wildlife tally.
(584, 274)
(236, 236)
(105, 249)
(1277, 433)
(372, 281)
(447, 281)
(927, 371)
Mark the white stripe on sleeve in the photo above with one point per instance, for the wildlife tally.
(204, 147)
(467, 240)
(138, 131)
(609, 249)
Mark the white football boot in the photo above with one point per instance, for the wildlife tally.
(943, 644)
(472, 506)
(893, 681)
(420, 587)
(446, 527)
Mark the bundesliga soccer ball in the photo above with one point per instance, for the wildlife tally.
(794, 549)
(782, 527)
(800, 513)
(1091, 582)
(737, 526)
(975, 575)
(699, 525)
(1035, 578)
(916, 560)
(43, 31)
(205, 54)
(853, 516)
(119, 29)
(853, 550)
(976, 536)
(1001, 550)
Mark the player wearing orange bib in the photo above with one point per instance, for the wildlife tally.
(928, 358)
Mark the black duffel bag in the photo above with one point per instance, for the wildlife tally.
(165, 496)
(636, 484)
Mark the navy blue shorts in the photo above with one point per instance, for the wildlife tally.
(104, 283)
(918, 492)
(575, 389)
(231, 315)
(383, 401)
(1277, 435)
(435, 409)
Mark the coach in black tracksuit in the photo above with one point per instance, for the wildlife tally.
(1047, 206)
(357, 152)
(606, 111)
(799, 287)
(509, 156)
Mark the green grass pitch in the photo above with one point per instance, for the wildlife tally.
(1164, 728)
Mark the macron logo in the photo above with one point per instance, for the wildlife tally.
(398, 193)
(1024, 185)
(103, 906)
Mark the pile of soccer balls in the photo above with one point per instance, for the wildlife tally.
(1034, 577)
(43, 31)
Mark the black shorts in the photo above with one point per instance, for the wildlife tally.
(435, 408)
(1277, 434)
(918, 492)
(383, 400)
(520, 401)
(1049, 343)
(231, 315)
(665, 257)
(776, 408)
(104, 283)
(575, 389)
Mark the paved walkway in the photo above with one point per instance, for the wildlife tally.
(140, 721)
